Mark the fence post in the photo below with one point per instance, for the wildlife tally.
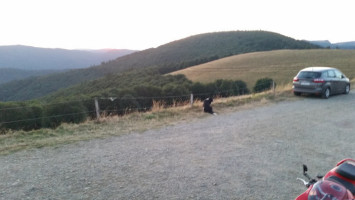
(97, 108)
(273, 87)
(191, 99)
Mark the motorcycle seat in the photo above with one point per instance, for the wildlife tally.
(346, 170)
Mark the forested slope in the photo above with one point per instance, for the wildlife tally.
(10, 74)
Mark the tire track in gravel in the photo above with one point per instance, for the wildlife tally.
(251, 154)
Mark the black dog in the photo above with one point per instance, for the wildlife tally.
(207, 105)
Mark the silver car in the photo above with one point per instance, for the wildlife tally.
(323, 81)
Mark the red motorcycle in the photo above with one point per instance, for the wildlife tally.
(337, 184)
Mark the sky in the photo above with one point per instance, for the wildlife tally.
(143, 24)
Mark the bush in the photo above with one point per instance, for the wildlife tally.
(19, 116)
(175, 93)
(145, 95)
(223, 88)
(241, 87)
(128, 103)
(226, 88)
(68, 112)
(263, 85)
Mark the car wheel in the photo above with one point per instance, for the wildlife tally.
(326, 93)
(347, 89)
(297, 93)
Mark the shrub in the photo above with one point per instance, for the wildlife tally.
(19, 116)
(175, 93)
(223, 88)
(128, 103)
(241, 87)
(68, 112)
(263, 85)
(226, 88)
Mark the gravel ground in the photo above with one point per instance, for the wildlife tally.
(251, 154)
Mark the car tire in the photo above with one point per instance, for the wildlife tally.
(297, 93)
(326, 93)
(347, 89)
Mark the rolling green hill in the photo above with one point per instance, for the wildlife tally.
(280, 65)
(166, 58)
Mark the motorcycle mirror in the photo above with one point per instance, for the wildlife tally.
(305, 168)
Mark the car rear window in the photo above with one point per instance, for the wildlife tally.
(305, 74)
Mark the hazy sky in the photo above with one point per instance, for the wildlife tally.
(142, 24)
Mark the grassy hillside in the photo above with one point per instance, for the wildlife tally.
(280, 65)
(166, 58)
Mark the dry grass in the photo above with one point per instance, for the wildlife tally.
(281, 65)
(159, 116)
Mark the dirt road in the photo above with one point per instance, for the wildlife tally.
(251, 154)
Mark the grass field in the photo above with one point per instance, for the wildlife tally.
(280, 65)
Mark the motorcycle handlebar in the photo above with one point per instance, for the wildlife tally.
(304, 182)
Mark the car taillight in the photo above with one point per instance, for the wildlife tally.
(295, 79)
(318, 80)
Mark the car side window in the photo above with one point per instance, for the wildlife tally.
(331, 74)
(338, 74)
(324, 74)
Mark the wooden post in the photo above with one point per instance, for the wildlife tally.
(191, 99)
(97, 108)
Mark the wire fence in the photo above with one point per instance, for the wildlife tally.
(104, 106)
(47, 117)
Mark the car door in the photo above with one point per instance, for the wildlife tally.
(339, 81)
(342, 81)
(333, 81)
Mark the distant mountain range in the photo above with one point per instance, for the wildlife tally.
(341, 45)
(19, 62)
(33, 58)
